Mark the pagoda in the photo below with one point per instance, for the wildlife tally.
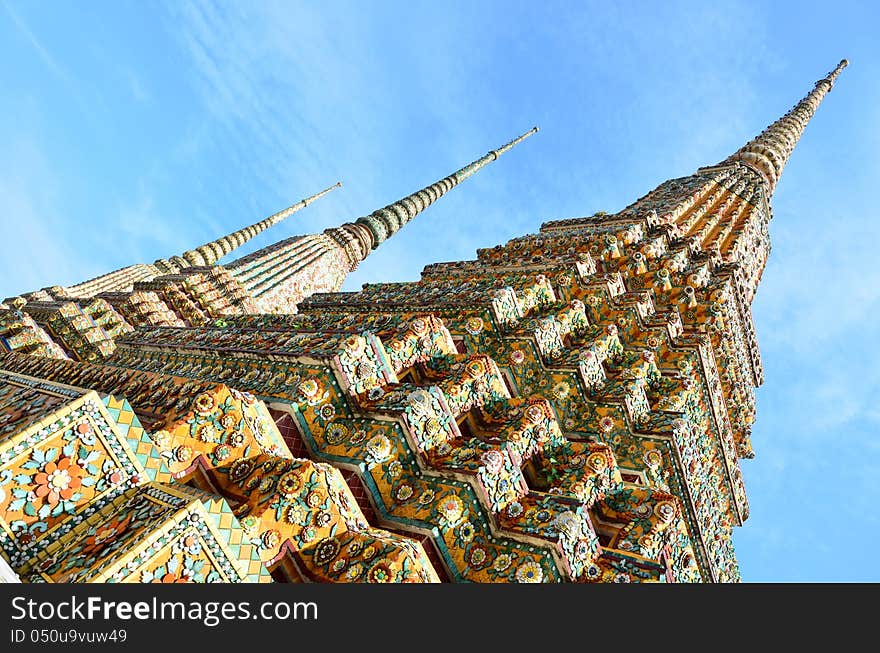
(570, 406)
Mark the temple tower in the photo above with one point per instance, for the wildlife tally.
(211, 252)
(207, 254)
(770, 150)
(281, 275)
(570, 406)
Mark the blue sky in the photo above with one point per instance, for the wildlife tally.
(132, 131)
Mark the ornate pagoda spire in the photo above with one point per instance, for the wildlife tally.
(211, 252)
(281, 275)
(768, 152)
(385, 222)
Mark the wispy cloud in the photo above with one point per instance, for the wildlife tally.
(37, 45)
(47, 58)
(138, 90)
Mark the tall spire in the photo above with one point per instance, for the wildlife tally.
(768, 152)
(385, 222)
(213, 251)
(283, 274)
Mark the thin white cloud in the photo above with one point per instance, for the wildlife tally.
(41, 50)
(51, 62)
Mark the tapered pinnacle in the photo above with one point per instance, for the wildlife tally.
(768, 152)
(213, 251)
(386, 221)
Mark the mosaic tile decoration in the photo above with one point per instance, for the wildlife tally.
(570, 406)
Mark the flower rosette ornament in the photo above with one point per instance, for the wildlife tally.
(666, 511)
(403, 493)
(312, 392)
(326, 412)
(653, 459)
(325, 552)
(378, 449)
(240, 470)
(561, 390)
(474, 326)
(492, 461)
(517, 357)
(564, 279)
(597, 462)
(55, 482)
(450, 509)
(529, 571)
(207, 432)
(290, 484)
(85, 433)
(380, 572)
(230, 420)
(477, 556)
(204, 404)
(501, 564)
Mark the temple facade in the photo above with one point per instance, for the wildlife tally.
(570, 406)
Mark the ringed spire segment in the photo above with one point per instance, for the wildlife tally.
(213, 251)
(768, 152)
(385, 222)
